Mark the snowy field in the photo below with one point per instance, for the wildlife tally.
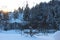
(15, 35)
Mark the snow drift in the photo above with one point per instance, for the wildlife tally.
(16, 35)
(57, 35)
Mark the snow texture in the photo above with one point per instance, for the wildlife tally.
(15, 35)
(57, 35)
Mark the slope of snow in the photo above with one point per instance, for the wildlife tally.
(42, 36)
(15, 35)
(57, 35)
(22, 37)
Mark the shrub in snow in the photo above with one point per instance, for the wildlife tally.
(57, 35)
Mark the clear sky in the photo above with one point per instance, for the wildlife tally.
(10, 5)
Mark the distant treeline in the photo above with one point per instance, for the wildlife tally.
(43, 16)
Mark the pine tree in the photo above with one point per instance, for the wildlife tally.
(26, 13)
(15, 14)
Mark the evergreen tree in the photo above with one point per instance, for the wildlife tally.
(26, 13)
(15, 14)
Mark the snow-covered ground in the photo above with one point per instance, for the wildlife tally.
(16, 35)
